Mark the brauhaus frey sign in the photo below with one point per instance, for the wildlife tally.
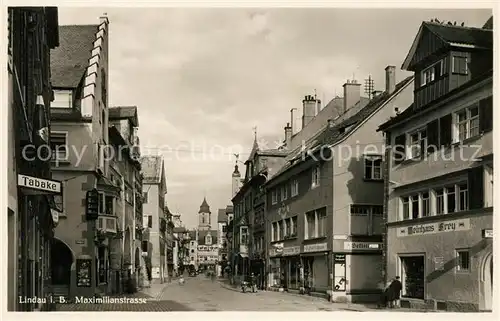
(434, 228)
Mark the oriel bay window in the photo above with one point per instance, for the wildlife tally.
(106, 204)
(436, 201)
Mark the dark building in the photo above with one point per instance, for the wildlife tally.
(33, 31)
(439, 173)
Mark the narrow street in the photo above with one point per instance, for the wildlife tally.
(201, 294)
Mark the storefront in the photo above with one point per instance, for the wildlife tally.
(315, 264)
(357, 270)
(447, 261)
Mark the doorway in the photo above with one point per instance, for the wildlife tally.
(61, 259)
(487, 283)
(412, 276)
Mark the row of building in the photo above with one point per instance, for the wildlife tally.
(64, 141)
(396, 184)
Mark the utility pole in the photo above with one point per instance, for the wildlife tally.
(369, 86)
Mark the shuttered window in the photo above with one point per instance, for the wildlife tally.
(445, 132)
(476, 187)
(433, 136)
(486, 115)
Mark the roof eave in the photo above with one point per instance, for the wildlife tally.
(413, 49)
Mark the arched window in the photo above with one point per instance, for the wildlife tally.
(203, 219)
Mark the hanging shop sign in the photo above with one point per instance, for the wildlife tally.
(83, 272)
(34, 185)
(434, 228)
(362, 246)
(315, 247)
(487, 233)
(55, 216)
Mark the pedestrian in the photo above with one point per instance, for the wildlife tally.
(394, 293)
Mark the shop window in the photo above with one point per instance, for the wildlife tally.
(463, 260)
(412, 276)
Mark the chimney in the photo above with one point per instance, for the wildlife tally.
(292, 120)
(309, 109)
(351, 94)
(390, 79)
(288, 135)
(318, 106)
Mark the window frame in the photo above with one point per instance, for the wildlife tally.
(372, 158)
(69, 94)
(432, 74)
(315, 176)
(66, 148)
(284, 193)
(294, 188)
(458, 267)
(453, 71)
(418, 144)
(274, 196)
(456, 123)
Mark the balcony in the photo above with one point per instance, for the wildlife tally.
(107, 224)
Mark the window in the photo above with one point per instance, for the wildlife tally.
(365, 210)
(432, 73)
(58, 145)
(463, 260)
(244, 235)
(373, 167)
(150, 221)
(284, 193)
(208, 240)
(106, 204)
(145, 197)
(310, 226)
(450, 199)
(315, 176)
(466, 123)
(321, 218)
(439, 201)
(274, 197)
(417, 143)
(406, 208)
(462, 197)
(315, 223)
(275, 231)
(62, 99)
(293, 226)
(459, 65)
(294, 188)
(281, 229)
(287, 224)
(415, 208)
(425, 204)
(104, 93)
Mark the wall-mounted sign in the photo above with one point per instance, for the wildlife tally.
(38, 185)
(487, 233)
(83, 272)
(315, 247)
(291, 250)
(208, 248)
(55, 216)
(434, 228)
(81, 242)
(340, 237)
(339, 272)
(352, 246)
(439, 263)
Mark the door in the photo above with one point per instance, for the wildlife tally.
(488, 284)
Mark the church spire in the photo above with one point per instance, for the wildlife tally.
(204, 207)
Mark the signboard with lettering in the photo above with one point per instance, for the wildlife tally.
(208, 254)
(365, 246)
(434, 228)
(339, 272)
(315, 247)
(439, 263)
(291, 250)
(488, 233)
(83, 272)
(38, 185)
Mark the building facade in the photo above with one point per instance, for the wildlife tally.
(324, 207)
(124, 168)
(207, 247)
(32, 214)
(439, 173)
(154, 189)
(79, 144)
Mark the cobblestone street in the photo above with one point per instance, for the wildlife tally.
(201, 294)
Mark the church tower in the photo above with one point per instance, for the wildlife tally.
(236, 181)
(204, 216)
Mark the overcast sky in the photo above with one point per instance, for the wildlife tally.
(203, 78)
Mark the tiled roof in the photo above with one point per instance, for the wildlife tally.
(69, 61)
(202, 234)
(179, 229)
(151, 169)
(462, 35)
(124, 112)
(221, 215)
(332, 135)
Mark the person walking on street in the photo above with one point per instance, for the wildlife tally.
(394, 293)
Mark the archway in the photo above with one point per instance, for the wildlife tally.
(487, 283)
(61, 259)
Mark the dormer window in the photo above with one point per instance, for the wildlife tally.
(62, 99)
(432, 73)
(459, 65)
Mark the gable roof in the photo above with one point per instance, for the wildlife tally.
(152, 166)
(124, 112)
(70, 60)
(332, 135)
(452, 36)
(202, 234)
